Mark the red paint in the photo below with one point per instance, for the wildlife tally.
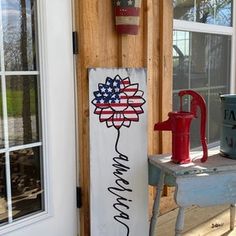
(179, 123)
(127, 29)
(127, 11)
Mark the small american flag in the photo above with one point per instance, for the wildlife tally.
(127, 16)
(118, 102)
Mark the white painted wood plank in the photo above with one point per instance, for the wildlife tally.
(119, 199)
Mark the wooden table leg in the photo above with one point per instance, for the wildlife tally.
(156, 205)
(179, 226)
(232, 216)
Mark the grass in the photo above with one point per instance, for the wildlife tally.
(15, 103)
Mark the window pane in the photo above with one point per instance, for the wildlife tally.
(218, 12)
(3, 191)
(184, 10)
(27, 191)
(22, 106)
(200, 56)
(196, 123)
(210, 60)
(224, 12)
(219, 60)
(215, 113)
(181, 59)
(205, 11)
(21, 169)
(202, 63)
(214, 12)
(1, 120)
(19, 34)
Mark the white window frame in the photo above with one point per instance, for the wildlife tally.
(214, 29)
(42, 51)
(191, 26)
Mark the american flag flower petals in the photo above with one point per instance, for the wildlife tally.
(118, 102)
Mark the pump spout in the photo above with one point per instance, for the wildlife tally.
(165, 125)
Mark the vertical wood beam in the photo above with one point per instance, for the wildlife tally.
(83, 138)
(166, 72)
(131, 47)
(166, 67)
(101, 46)
(97, 48)
(153, 64)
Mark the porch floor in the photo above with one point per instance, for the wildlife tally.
(208, 221)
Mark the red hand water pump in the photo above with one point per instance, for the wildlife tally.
(179, 123)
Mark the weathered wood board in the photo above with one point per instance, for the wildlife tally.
(206, 189)
(118, 152)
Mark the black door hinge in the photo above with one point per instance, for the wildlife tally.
(75, 43)
(78, 197)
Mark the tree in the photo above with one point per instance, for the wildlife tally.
(26, 114)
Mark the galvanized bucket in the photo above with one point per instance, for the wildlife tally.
(228, 126)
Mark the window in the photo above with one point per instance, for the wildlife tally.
(21, 181)
(217, 12)
(202, 57)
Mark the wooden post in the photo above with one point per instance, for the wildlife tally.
(166, 67)
(166, 72)
(101, 46)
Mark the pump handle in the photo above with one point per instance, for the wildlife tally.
(198, 101)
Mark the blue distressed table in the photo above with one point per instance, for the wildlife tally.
(202, 184)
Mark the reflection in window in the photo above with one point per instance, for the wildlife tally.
(181, 57)
(22, 109)
(26, 182)
(19, 34)
(3, 191)
(184, 10)
(218, 12)
(1, 120)
(202, 62)
(21, 151)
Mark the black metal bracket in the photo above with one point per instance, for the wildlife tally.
(78, 197)
(75, 43)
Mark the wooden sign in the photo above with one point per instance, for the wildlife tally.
(118, 152)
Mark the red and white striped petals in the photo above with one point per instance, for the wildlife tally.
(125, 83)
(127, 123)
(106, 114)
(131, 114)
(139, 93)
(136, 101)
(97, 111)
(109, 123)
(130, 90)
(138, 110)
(118, 120)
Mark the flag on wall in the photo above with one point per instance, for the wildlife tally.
(127, 16)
